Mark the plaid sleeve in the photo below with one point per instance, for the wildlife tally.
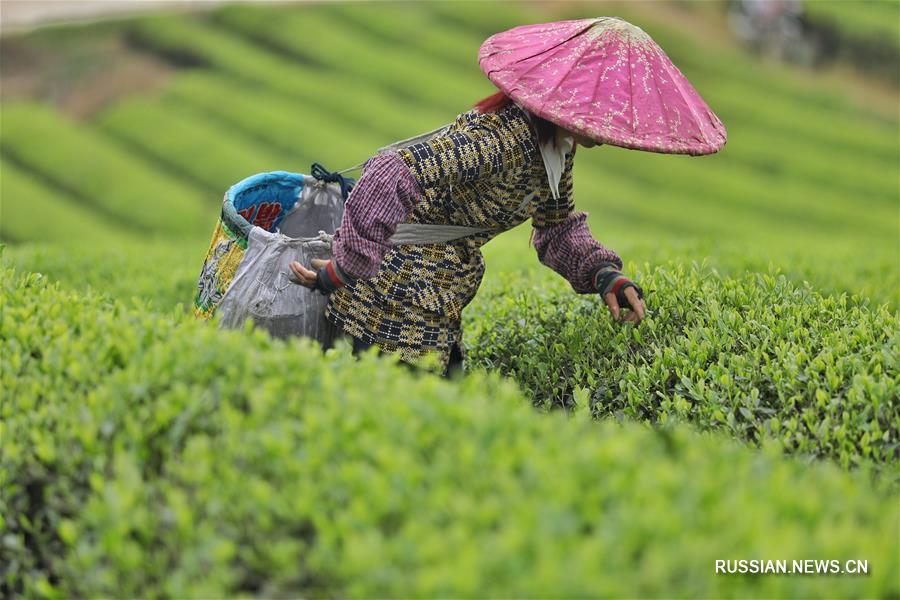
(569, 249)
(383, 197)
(488, 146)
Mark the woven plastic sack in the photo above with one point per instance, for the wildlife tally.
(267, 221)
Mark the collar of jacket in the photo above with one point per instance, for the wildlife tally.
(554, 157)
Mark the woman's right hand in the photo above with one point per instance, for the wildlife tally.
(307, 277)
(637, 306)
(620, 293)
(327, 277)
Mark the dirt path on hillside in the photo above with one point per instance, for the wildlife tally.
(83, 74)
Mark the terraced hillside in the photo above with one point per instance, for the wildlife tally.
(798, 192)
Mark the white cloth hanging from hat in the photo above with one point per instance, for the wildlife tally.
(554, 156)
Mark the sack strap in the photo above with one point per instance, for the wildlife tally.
(323, 174)
(402, 144)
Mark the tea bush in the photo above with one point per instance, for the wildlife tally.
(285, 125)
(212, 156)
(328, 42)
(154, 271)
(865, 33)
(756, 355)
(407, 24)
(868, 19)
(188, 461)
(164, 271)
(57, 345)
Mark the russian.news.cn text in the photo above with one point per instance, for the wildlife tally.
(792, 567)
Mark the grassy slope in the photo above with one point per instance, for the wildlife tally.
(98, 172)
(861, 19)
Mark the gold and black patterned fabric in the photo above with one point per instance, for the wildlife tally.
(485, 171)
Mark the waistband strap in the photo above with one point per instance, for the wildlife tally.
(425, 233)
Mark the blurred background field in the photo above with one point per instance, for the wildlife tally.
(136, 127)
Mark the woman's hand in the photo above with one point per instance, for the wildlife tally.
(328, 277)
(638, 308)
(619, 293)
(304, 276)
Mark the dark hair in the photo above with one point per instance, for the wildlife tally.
(546, 130)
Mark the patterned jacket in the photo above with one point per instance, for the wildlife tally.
(486, 171)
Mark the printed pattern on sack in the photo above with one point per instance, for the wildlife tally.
(225, 252)
(266, 214)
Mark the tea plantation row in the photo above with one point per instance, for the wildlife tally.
(153, 455)
(757, 356)
(81, 163)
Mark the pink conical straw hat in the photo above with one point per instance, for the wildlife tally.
(605, 79)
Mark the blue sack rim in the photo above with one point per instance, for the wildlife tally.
(291, 185)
